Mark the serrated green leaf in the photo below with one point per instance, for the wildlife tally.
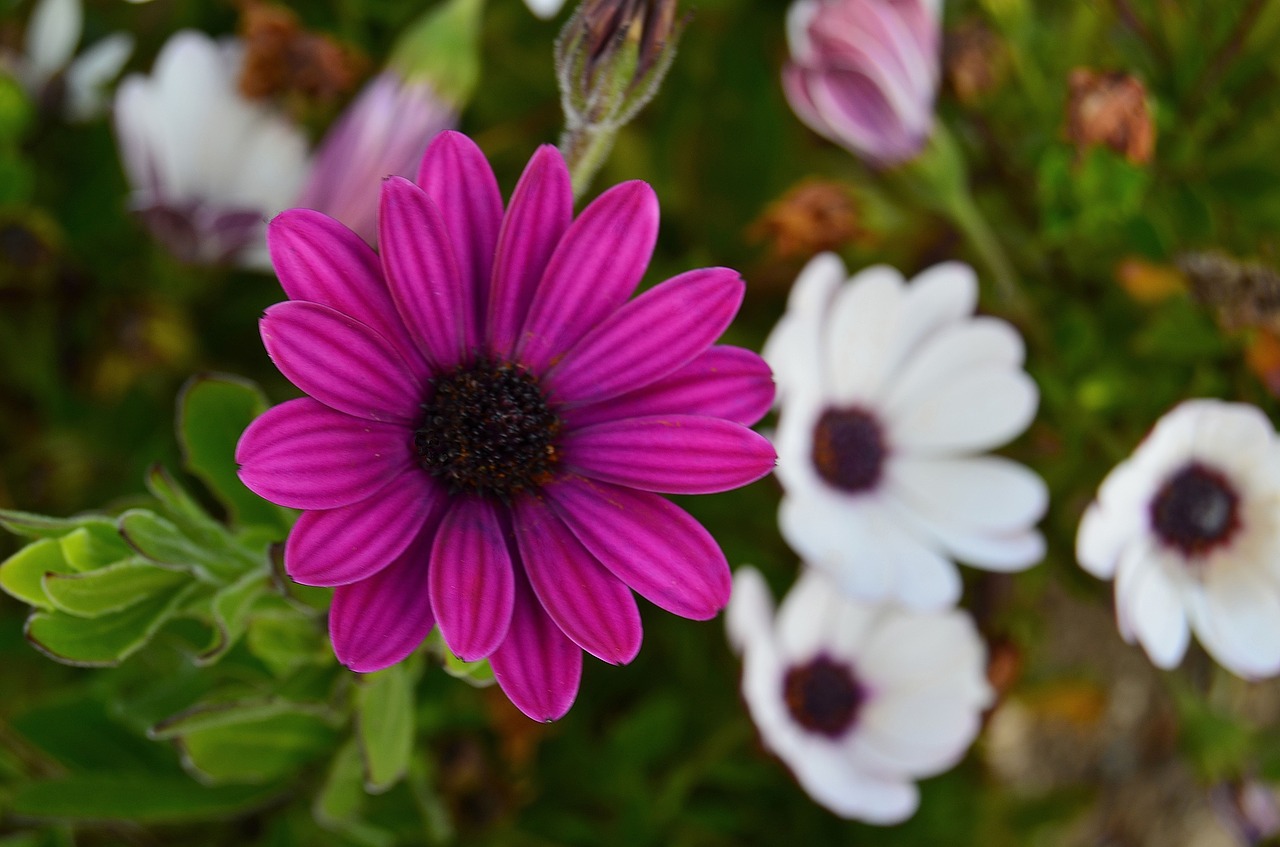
(213, 411)
(110, 589)
(31, 525)
(139, 798)
(22, 574)
(257, 750)
(385, 726)
(94, 546)
(106, 640)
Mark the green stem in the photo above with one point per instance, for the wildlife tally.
(585, 149)
(969, 220)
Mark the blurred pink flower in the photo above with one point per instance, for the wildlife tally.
(491, 422)
(864, 73)
(384, 132)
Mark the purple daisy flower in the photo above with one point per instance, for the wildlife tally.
(491, 422)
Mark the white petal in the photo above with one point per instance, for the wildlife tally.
(793, 348)
(1241, 626)
(976, 345)
(911, 652)
(817, 618)
(840, 537)
(936, 298)
(1150, 607)
(544, 8)
(749, 614)
(976, 411)
(864, 319)
(92, 71)
(1003, 553)
(837, 783)
(1102, 538)
(51, 37)
(981, 492)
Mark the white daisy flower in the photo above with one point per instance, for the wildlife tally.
(888, 392)
(208, 166)
(859, 700)
(1189, 528)
(48, 61)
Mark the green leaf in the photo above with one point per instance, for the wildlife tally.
(479, 674)
(229, 610)
(22, 574)
(140, 798)
(162, 542)
(30, 525)
(287, 642)
(106, 640)
(341, 798)
(385, 726)
(207, 716)
(93, 546)
(111, 589)
(213, 411)
(257, 750)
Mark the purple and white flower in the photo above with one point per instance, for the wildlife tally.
(207, 165)
(889, 393)
(864, 73)
(1189, 528)
(492, 421)
(859, 700)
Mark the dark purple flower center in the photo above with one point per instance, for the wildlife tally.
(1195, 510)
(488, 429)
(823, 696)
(849, 449)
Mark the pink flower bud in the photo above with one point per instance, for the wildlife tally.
(864, 73)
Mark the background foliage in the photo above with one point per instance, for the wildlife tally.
(100, 328)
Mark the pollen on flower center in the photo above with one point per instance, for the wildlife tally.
(849, 449)
(1195, 510)
(822, 696)
(488, 429)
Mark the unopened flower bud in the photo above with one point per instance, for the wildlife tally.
(811, 217)
(611, 58)
(976, 61)
(864, 73)
(1110, 109)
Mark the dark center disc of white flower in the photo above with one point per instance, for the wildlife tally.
(488, 429)
(1196, 509)
(849, 449)
(823, 696)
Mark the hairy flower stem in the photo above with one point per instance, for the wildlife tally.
(585, 148)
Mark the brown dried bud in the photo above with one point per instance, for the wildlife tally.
(811, 217)
(1242, 294)
(976, 61)
(1111, 109)
(609, 23)
(283, 58)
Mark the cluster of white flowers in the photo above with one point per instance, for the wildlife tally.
(889, 394)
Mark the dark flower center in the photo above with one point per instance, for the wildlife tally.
(849, 449)
(488, 429)
(823, 696)
(1195, 510)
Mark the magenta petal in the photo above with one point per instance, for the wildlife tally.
(471, 581)
(536, 665)
(724, 382)
(457, 177)
(378, 621)
(320, 260)
(340, 362)
(435, 299)
(304, 455)
(649, 543)
(598, 264)
(650, 337)
(589, 604)
(672, 454)
(540, 211)
(351, 543)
